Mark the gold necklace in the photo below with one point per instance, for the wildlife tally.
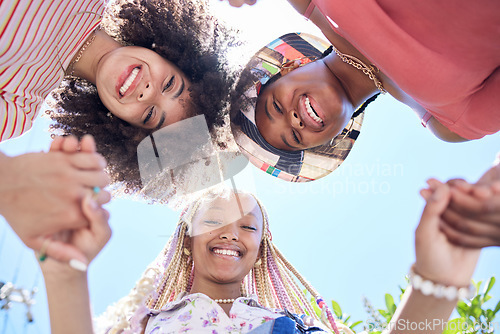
(358, 64)
(82, 49)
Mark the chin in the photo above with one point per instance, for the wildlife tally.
(227, 277)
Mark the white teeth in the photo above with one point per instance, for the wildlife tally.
(129, 80)
(311, 112)
(226, 252)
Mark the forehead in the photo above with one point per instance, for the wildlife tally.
(230, 210)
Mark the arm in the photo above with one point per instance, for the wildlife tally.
(41, 193)
(439, 261)
(67, 290)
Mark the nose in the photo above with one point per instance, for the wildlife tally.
(229, 232)
(295, 120)
(146, 93)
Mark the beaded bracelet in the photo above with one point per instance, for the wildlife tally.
(438, 290)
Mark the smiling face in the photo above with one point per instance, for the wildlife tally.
(305, 108)
(225, 241)
(142, 88)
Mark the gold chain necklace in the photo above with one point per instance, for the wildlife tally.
(358, 64)
(82, 49)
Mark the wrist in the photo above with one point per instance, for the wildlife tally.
(56, 271)
(438, 290)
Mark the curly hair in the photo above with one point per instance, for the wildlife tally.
(182, 31)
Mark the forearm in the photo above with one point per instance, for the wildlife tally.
(69, 304)
(418, 313)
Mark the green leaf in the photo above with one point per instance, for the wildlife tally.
(389, 303)
(336, 309)
(489, 315)
(462, 309)
(355, 324)
(497, 308)
(489, 285)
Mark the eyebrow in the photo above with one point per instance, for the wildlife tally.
(267, 112)
(286, 142)
(181, 89)
(253, 214)
(222, 209)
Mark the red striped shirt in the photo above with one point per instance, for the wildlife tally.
(38, 39)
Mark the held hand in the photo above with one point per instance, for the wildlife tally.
(438, 259)
(41, 193)
(473, 216)
(473, 220)
(82, 245)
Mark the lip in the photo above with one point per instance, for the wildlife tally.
(304, 115)
(121, 80)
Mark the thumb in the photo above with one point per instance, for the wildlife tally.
(98, 219)
(436, 205)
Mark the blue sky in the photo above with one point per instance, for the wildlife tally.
(350, 234)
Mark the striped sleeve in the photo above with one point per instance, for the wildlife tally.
(38, 39)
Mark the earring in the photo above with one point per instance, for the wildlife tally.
(187, 252)
(257, 263)
(110, 115)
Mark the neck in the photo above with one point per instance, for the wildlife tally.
(218, 291)
(86, 67)
(356, 84)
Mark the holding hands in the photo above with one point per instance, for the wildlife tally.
(472, 218)
(86, 242)
(41, 194)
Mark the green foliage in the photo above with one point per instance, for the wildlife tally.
(475, 316)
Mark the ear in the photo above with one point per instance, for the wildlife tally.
(187, 242)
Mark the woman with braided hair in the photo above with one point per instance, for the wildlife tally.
(221, 273)
(242, 274)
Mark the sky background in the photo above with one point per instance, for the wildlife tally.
(351, 234)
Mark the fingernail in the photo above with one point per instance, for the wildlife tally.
(78, 265)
